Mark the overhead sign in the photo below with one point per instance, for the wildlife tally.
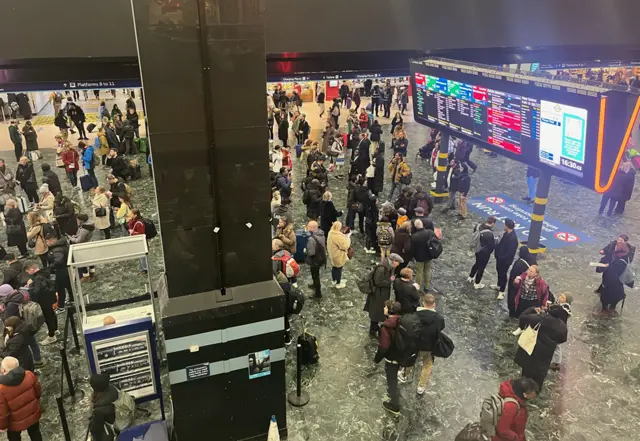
(343, 75)
(554, 234)
(132, 83)
(557, 127)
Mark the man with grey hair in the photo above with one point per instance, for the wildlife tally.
(20, 395)
(420, 249)
(16, 138)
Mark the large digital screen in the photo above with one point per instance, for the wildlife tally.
(554, 127)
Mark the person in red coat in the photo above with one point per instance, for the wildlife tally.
(532, 290)
(513, 421)
(70, 158)
(136, 227)
(19, 401)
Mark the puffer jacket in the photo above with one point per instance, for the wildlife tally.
(288, 237)
(19, 400)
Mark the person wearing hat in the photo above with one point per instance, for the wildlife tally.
(382, 277)
(564, 300)
(552, 331)
(420, 214)
(505, 252)
(20, 391)
(103, 409)
(16, 138)
(46, 202)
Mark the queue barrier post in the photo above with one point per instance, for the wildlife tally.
(298, 397)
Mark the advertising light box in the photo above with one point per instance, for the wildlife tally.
(573, 131)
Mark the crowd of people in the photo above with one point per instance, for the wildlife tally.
(398, 229)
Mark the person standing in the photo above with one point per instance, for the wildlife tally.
(11, 274)
(505, 252)
(70, 158)
(388, 351)
(532, 181)
(15, 228)
(36, 234)
(87, 162)
(312, 198)
(26, 176)
(344, 93)
(484, 245)
(58, 253)
(406, 292)
(77, 115)
(402, 245)
(375, 100)
(526, 259)
(512, 423)
(612, 288)
(62, 123)
(137, 227)
(397, 119)
(356, 98)
(42, 290)
(320, 100)
(533, 291)
(50, 178)
(20, 394)
(382, 278)
(316, 256)
(30, 136)
(627, 177)
(338, 244)
(400, 172)
(363, 120)
(328, 213)
(16, 138)
(420, 250)
(283, 129)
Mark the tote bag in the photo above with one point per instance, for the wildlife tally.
(528, 339)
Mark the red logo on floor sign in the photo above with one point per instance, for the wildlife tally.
(495, 200)
(567, 237)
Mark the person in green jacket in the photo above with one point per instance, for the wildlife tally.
(16, 138)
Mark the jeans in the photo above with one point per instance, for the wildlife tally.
(603, 204)
(73, 177)
(482, 259)
(502, 268)
(391, 371)
(375, 106)
(63, 284)
(423, 274)
(49, 318)
(35, 349)
(531, 183)
(394, 185)
(18, 151)
(387, 109)
(336, 274)
(33, 431)
(315, 275)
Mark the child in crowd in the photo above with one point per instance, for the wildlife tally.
(402, 217)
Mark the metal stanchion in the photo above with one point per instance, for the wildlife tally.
(63, 419)
(74, 394)
(299, 397)
(74, 332)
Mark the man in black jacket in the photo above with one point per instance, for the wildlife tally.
(43, 291)
(50, 178)
(57, 256)
(119, 167)
(420, 199)
(432, 325)
(422, 216)
(505, 252)
(406, 291)
(420, 248)
(484, 246)
(344, 93)
(11, 275)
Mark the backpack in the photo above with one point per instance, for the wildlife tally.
(290, 267)
(365, 285)
(31, 313)
(474, 239)
(627, 277)
(384, 236)
(406, 180)
(434, 247)
(422, 203)
(95, 160)
(491, 411)
(149, 228)
(125, 407)
(309, 349)
(296, 301)
(320, 256)
(406, 339)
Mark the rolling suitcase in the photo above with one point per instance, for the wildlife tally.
(86, 182)
(301, 243)
(381, 146)
(298, 150)
(136, 172)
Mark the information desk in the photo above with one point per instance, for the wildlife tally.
(555, 126)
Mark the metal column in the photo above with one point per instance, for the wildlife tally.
(537, 216)
(440, 193)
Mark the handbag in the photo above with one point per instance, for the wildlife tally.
(100, 212)
(13, 229)
(529, 338)
(444, 346)
(357, 206)
(350, 253)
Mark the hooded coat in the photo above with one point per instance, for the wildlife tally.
(381, 291)
(50, 178)
(338, 244)
(513, 421)
(65, 214)
(19, 400)
(525, 260)
(17, 346)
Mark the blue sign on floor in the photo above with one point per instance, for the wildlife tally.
(554, 234)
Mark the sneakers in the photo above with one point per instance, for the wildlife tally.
(391, 408)
(470, 279)
(500, 295)
(334, 283)
(57, 333)
(517, 332)
(421, 390)
(496, 287)
(478, 285)
(341, 285)
(295, 285)
(402, 378)
(287, 340)
(39, 363)
(49, 340)
(60, 311)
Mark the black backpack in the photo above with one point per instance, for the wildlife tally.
(434, 247)
(296, 301)
(320, 256)
(48, 230)
(406, 339)
(309, 349)
(149, 228)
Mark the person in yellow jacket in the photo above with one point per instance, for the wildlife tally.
(338, 244)
(400, 174)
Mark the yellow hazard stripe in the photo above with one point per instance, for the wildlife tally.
(441, 168)
(438, 195)
(537, 217)
(537, 250)
(443, 155)
(541, 201)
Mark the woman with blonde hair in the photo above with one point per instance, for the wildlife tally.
(100, 205)
(36, 236)
(338, 244)
(328, 213)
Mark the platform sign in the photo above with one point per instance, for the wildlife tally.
(555, 126)
(555, 234)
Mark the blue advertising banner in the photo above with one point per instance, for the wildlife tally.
(554, 234)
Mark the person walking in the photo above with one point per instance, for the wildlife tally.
(338, 244)
(320, 100)
(483, 245)
(512, 422)
(16, 138)
(15, 228)
(381, 279)
(505, 252)
(20, 391)
(420, 250)
(62, 122)
(26, 176)
(316, 256)
(356, 98)
(78, 117)
(388, 351)
(400, 174)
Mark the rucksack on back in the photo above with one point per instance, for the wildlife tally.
(474, 239)
(422, 203)
(491, 411)
(296, 301)
(31, 313)
(290, 267)
(434, 247)
(150, 230)
(125, 410)
(95, 160)
(365, 285)
(384, 236)
(406, 339)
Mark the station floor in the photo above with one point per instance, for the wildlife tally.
(594, 396)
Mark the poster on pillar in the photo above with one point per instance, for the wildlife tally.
(554, 234)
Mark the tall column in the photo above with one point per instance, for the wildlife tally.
(441, 177)
(203, 72)
(537, 216)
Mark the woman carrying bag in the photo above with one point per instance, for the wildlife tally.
(100, 205)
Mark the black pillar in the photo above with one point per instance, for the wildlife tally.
(440, 193)
(203, 72)
(537, 216)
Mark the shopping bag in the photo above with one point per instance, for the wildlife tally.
(528, 339)
(23, 204)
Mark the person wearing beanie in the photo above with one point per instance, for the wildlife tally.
(552, 331)
(402, 217)
(505, 252)
(50, 178)
(103, 409)
(46, 202)
(10, 301)
(11, 274)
